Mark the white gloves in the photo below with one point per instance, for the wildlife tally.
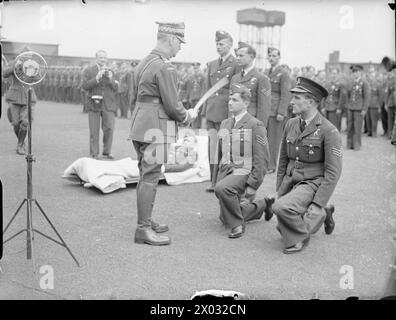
(192, 113)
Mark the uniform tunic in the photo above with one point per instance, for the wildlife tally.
(216, 107)
(153, 125)
(334, 101)
(376, 100)
(358, 101)
(17, 97)
(243, 160)
(310, 164)
(280, 98)
(260, 89)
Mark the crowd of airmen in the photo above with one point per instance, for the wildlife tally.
(345, 89)
(64, 84)
(372, 91)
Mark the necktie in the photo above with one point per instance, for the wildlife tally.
(233, 122)
(242, 73)
(270, 70)
(303, 124)
(220, 61)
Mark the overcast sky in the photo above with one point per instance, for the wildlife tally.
(361, 30)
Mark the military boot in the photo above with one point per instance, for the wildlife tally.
(145, 201)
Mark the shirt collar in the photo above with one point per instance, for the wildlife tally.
(308, 121)
(226, 56)
(248, 69)
(274, 68)
(239, 116)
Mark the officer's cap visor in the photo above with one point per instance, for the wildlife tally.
(181, 39)
(300, 89)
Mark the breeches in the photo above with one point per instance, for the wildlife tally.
(150, 173)
(18, 115)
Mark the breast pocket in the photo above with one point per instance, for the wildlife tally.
(312, 150)
(275, 84)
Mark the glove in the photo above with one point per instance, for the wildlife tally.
(192, 114)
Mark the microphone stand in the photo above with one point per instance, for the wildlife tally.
(29, 200)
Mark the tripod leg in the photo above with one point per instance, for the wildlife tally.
(31, 232)
(15, 214)
(57, 233)
(29, 251)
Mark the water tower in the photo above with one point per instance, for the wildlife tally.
(261, 29)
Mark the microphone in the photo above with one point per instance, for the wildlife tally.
(30, 68)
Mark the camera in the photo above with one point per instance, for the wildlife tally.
(107, 73)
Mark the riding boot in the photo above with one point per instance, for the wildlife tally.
(145, 202)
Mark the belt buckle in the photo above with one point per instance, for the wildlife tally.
(298, 164)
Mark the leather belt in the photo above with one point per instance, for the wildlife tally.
(149, 99)
(300, 165)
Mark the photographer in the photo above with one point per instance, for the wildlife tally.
(99, 83)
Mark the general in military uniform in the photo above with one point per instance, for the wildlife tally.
(243, 160)
(153, 125)
(332, 105)
(216, 107)
(309, 167)
(358, 101)
(101, 88)
(280, 98)
(17, 97)
(258, 83)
